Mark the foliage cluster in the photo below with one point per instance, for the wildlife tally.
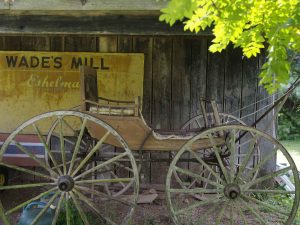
(289, 117)
(289, 125)
(248, 24)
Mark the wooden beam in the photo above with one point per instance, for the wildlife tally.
(79, 7)
(96, 25)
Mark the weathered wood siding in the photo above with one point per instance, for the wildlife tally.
(178, 72)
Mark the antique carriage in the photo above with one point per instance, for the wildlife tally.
(93, 158)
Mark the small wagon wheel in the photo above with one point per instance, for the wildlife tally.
(198, 122)
(73, 194)
(106, 151)
(242, 195)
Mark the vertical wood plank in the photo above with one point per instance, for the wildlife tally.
(12, 43)
(80, 44)
(215, 78)
(198, 74)
(161, 106)
(162, 59)
(2, 43)
(181, 72)
(250, 70)
(57, 44)
(233, 81)
(33, 43)
(266, 124)
(125, 44)
(144, 45)
(108, 43)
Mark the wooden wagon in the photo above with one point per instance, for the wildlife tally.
(93, 156)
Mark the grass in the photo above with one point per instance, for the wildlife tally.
(292, 145)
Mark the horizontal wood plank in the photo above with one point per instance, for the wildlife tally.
(77, 7)
(96, 25)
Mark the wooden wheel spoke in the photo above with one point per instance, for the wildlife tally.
(68, 125)
(68, 162)
(198, 123)
(214, 200)
(93, 181)
(122, 166)
(116, 177)
(76, 149)
(206, 166)
(104, 196)
(22, 169)
(32, 156)
(232, 154)
(46, 207)
(79, 209)
(68, 209)
(192, 183)
(46, 148)
(202, 218)
(22, 186)
(62, 145)
(241, 213)
(279, 211)
(116, 158)
(177, 178)
(249, 151)
(269, 191)
(216, 151)
(91, 153)
(221, 214)
(29, 201)
(2, 216)
(254, 212)
(57, 211)
(231, 214)
(260, 164)
(191, 174)
(196, 191)
(92, 206)
(267, 177)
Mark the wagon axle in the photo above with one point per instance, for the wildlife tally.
(232, 191)
(65, 183)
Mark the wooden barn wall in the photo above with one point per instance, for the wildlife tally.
(178, 72)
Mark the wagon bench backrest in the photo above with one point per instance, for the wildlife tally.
(94, 103)
(88, 86)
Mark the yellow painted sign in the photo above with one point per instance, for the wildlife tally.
(35, 82)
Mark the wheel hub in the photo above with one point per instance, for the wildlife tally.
(65, 183)
(232, 191)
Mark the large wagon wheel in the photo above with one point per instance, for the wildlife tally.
(198, 122)
(242, 195)
(105, 152)
(75, 195)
